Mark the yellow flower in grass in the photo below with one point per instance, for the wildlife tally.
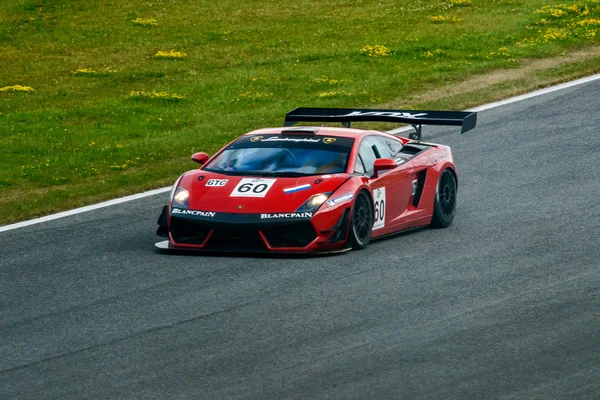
(460, 3)
(16, 88)
(91, 72)
(441, 18)
(83, 71)
(171, 54)
(334, 94)
(376, 51)
(562, 10)
(327, 80)
(554, 34)
(589, 21)
(430, 53)
(145, 22)
(154, 95)
(255, 95)
(527, 42)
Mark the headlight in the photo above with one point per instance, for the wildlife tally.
(313, 202)
(174, 187)
(180, 199)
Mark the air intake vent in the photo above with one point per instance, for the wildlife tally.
(300, 131)
(419, 189)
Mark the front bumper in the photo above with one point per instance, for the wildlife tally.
(279, 232)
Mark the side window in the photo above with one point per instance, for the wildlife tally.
(358, 167)
(388, 147)
(369, 152)
(394, 145)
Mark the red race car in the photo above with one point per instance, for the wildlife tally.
(312, 189)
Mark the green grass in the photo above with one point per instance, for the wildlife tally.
(81, 136)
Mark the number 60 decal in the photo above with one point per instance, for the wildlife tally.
(252, 187)
(379, 203)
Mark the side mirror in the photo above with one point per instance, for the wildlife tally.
(200, 158)
(383, 164)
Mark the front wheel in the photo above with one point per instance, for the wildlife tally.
(444, 205)
(362, 222)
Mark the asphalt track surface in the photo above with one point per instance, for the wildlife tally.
(503, 304)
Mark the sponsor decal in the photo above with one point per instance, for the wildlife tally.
(385, 114)
(217, 182)
(255, 138)
(328, 140)
(195, 213)
(287, 139)
(252, 187)
(296, 188)
(379, 208)
(332, 176)
(436, 157)
(287, 215)
(340, 199)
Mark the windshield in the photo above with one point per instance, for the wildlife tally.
(283, 155)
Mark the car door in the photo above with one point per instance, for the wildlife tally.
(391, 189)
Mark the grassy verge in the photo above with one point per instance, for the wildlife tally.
(100, 99)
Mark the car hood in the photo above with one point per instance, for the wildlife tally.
(210, 192)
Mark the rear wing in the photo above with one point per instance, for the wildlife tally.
(466, 119)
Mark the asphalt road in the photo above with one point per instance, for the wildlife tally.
(503, 304)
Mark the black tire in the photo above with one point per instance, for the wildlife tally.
(361, 224)
(444, 205)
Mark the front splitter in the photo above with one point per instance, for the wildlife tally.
(167, 246)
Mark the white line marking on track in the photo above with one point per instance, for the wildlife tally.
(537, 93)
(137, 196)
(525, 96)
(84, 209)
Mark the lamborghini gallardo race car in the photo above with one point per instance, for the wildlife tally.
(315, 188)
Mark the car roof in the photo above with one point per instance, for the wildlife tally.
(320, 131)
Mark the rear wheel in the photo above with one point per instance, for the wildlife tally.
(444, 205)
(362, 222)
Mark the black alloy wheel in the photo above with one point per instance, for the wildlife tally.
(362, 222)
(444, 206)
